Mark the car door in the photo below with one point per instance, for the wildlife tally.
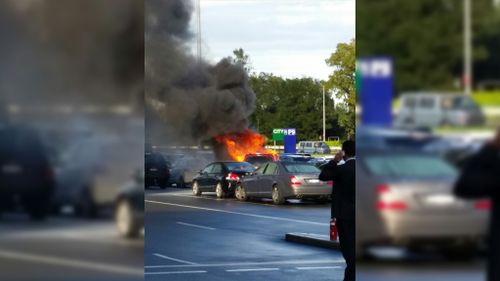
(203, 177)
(252, 182)
(215, 175)
(267, 179)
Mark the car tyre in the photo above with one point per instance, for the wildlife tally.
(219, 191)
(196, 189)
(126, 223)
(240, 193)
(277, 196)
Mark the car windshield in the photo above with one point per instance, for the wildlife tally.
(301, 169)
(409, 166)
(240, 167)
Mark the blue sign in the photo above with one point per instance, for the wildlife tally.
(290, 140)
(375, 89)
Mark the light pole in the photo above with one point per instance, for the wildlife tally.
(198, 37)
(467, 71)
(324, 121)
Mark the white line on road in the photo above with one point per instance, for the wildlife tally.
(217, 199)
(289, 262)
(252, 269)
(59, 261)
(195, 225)
(173, 259)
(317, 267)
(174, 272)
(238, 213)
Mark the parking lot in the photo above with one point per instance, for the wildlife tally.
(67, 249)
(205, 238)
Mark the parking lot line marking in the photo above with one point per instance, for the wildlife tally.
(195, 225)
(289, 262)
(317, 267)
(59, 261)
(174, 272)
(173, 259)
(238, 213)
(252, 269)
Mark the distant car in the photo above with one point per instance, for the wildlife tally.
(26, 175)
(221, 177)
(129, 207)
(257, 159)
(284, 180)
(405, 198)
(157, 172)
(313, 147)
(428, 109)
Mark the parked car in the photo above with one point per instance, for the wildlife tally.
(157, 172)
(313, 147)
(129, 207)
(405, 198)
(428, 109)
(184, 167)
(221, 177)
(257, 159)
(25, 171)
(284, 180)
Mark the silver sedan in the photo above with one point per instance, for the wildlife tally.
(284, 180)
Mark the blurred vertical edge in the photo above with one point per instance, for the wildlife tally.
(71, 139)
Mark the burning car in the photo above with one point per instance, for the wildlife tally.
(221, 177)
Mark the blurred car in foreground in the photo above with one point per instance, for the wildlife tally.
(26, 176)
(257, 159)
(129, 207)
(221, 178)
(427, 109)
(157, 172)
(405, 198)
(284, 180)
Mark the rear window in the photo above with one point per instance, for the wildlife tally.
(240, 167)
(409, 166)
(258, 159)
(301, 168)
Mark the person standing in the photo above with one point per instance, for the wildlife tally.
(480, 179)
(343, 202)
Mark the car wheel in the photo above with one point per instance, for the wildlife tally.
(126, 223)
(241, 193)
(278, 198)
(196, 189)
(220, 191)
(163, 183)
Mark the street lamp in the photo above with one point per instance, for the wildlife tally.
(324, 121)
(467, 71)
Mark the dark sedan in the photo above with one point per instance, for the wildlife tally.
(221, 177)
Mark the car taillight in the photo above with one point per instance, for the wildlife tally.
(232, 177)
(483, 205)
(387, 201)
(295, 181)
(329, 182)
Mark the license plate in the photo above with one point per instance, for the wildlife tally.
(440, 200)
(313, 181)
(12, 169)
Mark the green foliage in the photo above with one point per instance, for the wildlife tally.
(487, 98)
(425, 39)
(241, 57)
(342, 83)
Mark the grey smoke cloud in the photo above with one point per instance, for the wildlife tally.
(188, 100)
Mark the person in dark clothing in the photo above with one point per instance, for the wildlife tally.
(480, 178)
(343, 195)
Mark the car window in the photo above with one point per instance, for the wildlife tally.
(240, 167)
(217, 169)
(208, 169)
(301, 168)
(257, 160)
(308, 144)
(409, 166)
(272, 169)
(427, 102)
(409, 102)
(260, 170)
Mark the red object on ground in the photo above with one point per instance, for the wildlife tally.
(333, 230)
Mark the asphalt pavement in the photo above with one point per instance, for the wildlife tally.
(205, 238)
(67, 249)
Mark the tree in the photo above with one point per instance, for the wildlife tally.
(242, 58)
(342, 83)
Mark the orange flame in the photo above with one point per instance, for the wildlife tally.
(239, 145)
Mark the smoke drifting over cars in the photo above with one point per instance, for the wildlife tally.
(187, 99)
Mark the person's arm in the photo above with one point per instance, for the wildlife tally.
(480, 176)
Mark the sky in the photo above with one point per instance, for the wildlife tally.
(289, 38)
